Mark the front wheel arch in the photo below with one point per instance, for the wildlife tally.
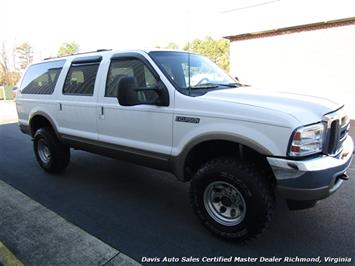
(199, 152)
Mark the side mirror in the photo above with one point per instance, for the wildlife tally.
(128, 93)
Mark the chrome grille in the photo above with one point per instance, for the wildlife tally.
(337, 130)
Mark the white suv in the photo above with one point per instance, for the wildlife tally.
(179, 112)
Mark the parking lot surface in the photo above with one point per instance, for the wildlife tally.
(146, 213)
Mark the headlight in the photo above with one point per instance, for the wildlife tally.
(307, 140)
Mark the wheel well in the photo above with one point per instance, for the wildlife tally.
(208, 150)
(38, 122)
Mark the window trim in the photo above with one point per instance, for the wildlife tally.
(83, 61)
(87, 59)
(139, 57)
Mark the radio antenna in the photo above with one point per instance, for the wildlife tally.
(189, 68)
(188, 52)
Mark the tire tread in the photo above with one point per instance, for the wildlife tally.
(259, 177)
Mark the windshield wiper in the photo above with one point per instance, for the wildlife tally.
(215, 85)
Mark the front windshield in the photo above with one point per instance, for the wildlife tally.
(192, 71)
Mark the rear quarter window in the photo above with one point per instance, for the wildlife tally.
(41, 78)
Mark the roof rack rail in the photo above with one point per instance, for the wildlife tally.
(90, 52)
(103, 50)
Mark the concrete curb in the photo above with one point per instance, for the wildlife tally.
(4, 122)
(7, 258)
(38, 236)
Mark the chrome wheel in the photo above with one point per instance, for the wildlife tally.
(224, 203)
(43, 151)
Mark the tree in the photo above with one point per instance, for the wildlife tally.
(216, 50)
(68, 49)
(4, 66)
(24, 54)
(8, 77)
(172, 45)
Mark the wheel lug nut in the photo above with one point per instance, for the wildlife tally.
(222, 209)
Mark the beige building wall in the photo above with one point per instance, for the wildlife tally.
(320, 62)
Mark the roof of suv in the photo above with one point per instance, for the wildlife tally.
(110, 51)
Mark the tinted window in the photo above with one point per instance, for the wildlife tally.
(120, 68)
(41, 78)
(80, 79)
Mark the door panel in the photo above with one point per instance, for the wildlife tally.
(78, 117)
(78, 100)
(141, 127)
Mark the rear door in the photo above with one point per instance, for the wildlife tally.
(78, 99)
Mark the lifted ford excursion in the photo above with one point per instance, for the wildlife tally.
(178, 112)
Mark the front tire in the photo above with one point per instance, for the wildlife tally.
(51, 154)
(233, 200)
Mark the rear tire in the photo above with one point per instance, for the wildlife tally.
(51, 154)
(232, 199)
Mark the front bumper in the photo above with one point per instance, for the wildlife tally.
(312, 179)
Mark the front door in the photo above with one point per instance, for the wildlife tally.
(144, 128)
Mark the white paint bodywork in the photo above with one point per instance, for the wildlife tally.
(264, 119)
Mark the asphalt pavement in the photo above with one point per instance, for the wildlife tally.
(146, 213)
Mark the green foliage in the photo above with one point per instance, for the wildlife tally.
(68, 49)
(216, 50)
(24, 54)
(172, 45)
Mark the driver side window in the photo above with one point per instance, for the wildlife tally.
(135, 68)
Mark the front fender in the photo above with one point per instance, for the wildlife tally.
(265, 139)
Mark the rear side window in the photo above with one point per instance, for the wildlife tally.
(41, 78)
(81, 79)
